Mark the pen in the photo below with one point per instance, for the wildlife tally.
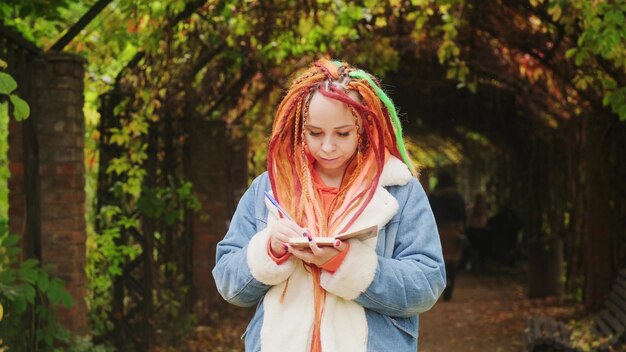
(273, 200)
(280, 209)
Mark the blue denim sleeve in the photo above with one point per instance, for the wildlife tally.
(231, 273)
(411, 281)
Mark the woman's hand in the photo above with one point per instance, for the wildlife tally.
(318, 255)
(280, 233)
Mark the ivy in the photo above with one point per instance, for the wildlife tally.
(600, 32)
(28, 297)
(168, 203)
(18, 108)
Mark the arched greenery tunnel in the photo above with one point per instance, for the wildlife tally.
(544, 163)
(524, 101)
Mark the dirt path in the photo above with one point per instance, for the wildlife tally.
(486, 314)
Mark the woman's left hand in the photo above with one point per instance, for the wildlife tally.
(317, 255)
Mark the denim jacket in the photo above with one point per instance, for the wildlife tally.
(373, 299)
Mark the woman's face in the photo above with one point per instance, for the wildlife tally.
(331, 134)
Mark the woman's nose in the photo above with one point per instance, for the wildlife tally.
(328, 145)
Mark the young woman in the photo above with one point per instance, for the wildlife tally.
(336, 163)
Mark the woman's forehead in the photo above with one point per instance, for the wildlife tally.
(327, 111)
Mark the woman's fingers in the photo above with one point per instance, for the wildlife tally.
(284, 229)
(315, 249)
(339, 245)
(314, 254)
(289, 228)
(280, 233)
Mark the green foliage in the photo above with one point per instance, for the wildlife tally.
(175, 324)
(37, 19)
(433, 152)
(4, 161)
(168, 203)
(7, 84)
(17, 108)
(599, 31)
(28, 295)
(596, 28)
(106, 254)
(82, 344)
(10, 105)
(134, 205)
(107, 249)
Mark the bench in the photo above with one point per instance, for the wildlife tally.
(543, 334)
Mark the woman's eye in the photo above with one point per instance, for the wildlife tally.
(314, 134)
(343, 134)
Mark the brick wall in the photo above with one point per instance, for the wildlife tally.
(58, 120)
(216, 164)
(217, 167)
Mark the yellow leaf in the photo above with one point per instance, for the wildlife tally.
(555, 12)
(535, 3)
(1, 312)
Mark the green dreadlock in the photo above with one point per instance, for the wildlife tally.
(392, 111)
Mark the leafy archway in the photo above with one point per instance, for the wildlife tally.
(540, 82)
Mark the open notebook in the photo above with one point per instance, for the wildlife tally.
(362, 235)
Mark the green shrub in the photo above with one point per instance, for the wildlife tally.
(28, 296)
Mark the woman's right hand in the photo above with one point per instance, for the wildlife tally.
(280, 233)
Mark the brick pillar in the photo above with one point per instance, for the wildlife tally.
(217, 167)
(58, 123)
(61, 133)
(17, 194)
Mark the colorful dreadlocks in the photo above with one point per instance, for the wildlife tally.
(289, 162)
(288, 159)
